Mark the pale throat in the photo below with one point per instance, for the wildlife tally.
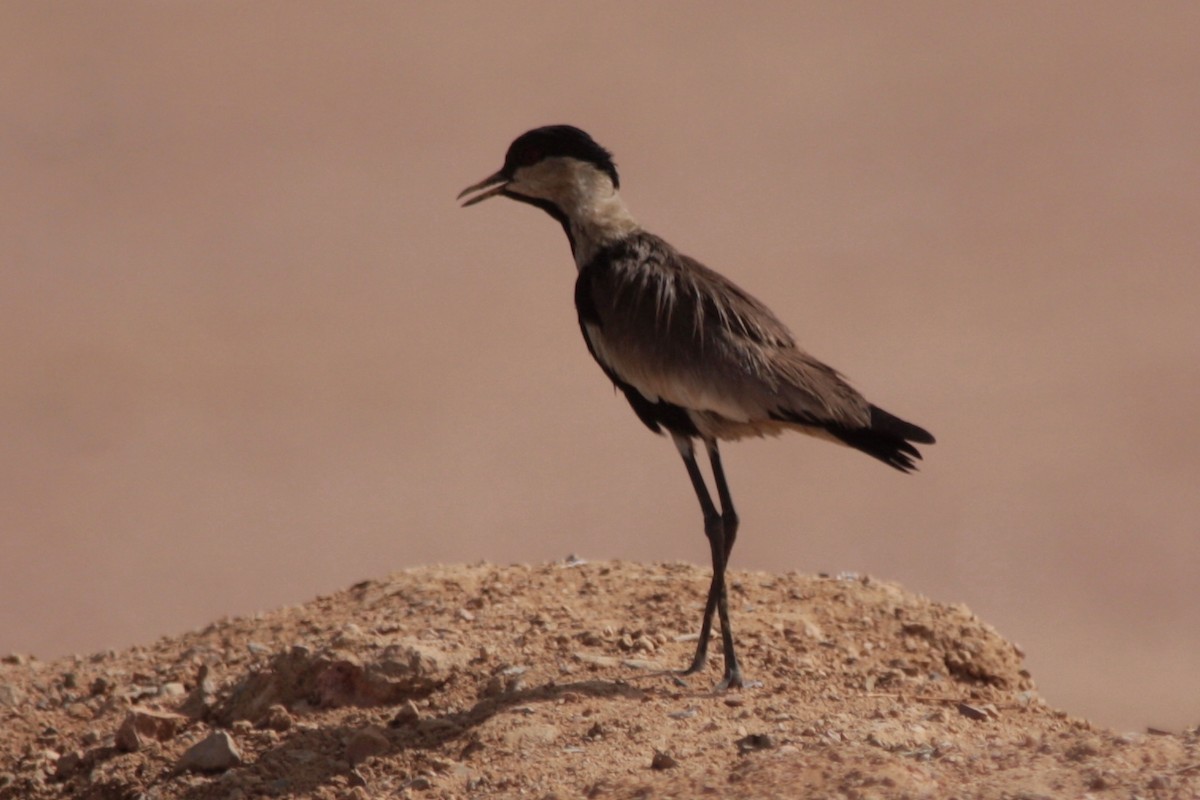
(598, 218)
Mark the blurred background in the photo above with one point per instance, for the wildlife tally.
(253, 351)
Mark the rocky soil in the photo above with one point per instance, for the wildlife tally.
(554, 681)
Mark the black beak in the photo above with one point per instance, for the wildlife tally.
(494, 184)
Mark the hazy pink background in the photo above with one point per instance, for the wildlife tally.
(253, 351)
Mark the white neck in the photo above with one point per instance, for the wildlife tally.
(595, 214)
(597, 221)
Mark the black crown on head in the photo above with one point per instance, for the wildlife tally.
(562, 141)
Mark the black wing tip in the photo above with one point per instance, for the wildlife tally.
(893, 451)
(890, 439)
(886, 437)
(890, 424)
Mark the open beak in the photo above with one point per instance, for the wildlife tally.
(493, 184)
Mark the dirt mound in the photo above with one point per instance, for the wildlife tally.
(553, 681)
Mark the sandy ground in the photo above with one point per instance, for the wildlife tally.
(552, 682)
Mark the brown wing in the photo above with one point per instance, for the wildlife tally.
(677, 331)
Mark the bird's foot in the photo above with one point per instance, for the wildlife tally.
(733, 680)
(679, 675)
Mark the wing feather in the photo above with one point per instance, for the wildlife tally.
(677, 331)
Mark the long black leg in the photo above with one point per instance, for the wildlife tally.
(714, 531)
(728, 514)
(720, 544)
(729, 525)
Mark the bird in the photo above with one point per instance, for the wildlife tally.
(698, 358)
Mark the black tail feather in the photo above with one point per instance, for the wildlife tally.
(887, 438)
(887, 423)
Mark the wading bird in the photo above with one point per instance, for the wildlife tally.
(693, 353)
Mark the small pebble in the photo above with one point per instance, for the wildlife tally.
(215, 753)
(755, 741)
(972, 712)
